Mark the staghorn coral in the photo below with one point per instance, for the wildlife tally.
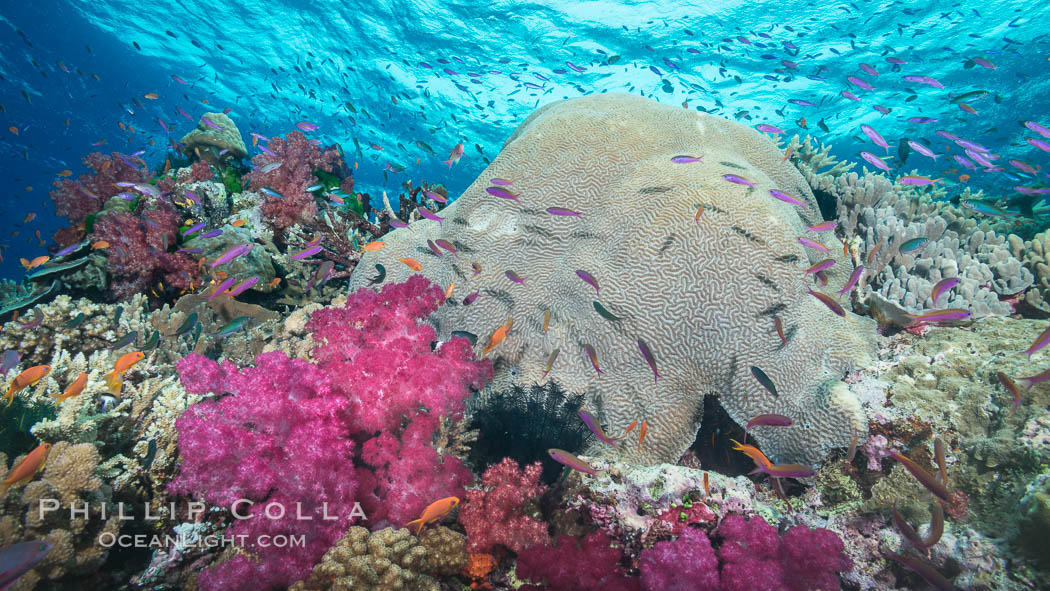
(42, 510)
(385, 560)
(703, 296)
(887, 214)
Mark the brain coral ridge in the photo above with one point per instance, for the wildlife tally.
(702, 294)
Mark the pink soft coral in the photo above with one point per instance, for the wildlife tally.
(755, 558)
(593, 566)
(495, 515)
(686, 564)
(138, 255)
(276, 442)
(299, 158)
(77, 199)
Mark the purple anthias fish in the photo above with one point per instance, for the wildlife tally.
(801, 103)
(1038, 143)
(786, 198)
(686, 159)
(820, 266)
(566, 458)
(823, 226)
(812, 244)
(425, 213)
(768, 128)
(859, 83)
(69, 249)
(501, 193)
(514, 277)
(596, 428)
(738, 180)
(1043, 131)
(306, 253)
(922, 149)
(965, 162)
(769, 420)
(849, 95)
(968, 145)
(9, 360)
(923, 120)
(875, 161)
(648, 356)
(853, 278)
(232, 253)
(434, 248)
(938, 316)
(924, 80)
(17, 559)
(785, 471)
(266, 150)
(244, 286)
(979, 158)
(589, 279)
(563, 212)
(222, 287)
(941, 287)
(503, 182)
(470, 298)
(875, 137)
(396, 223)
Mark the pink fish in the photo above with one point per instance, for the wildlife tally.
(1043, 131)
(1038, 143)
(859, 83)
(769, 420)
(1041, 341)
(455, 155)
(502, 193)
(566, 458)
(686, 159)
(596, 428)
(922, 149)
(869, 69)
(1022, 165)
(563, 212)
(875, 137)
(184, 113)
(849, 95)
(786, 198)
(942, 287)
(514, 277)
(820, 266)
(785, 471)
(244, 286)
(306, 253)
(985, 63)
(813, 244)
(738, 180)
(222, 287)
(853, 278)
(232, 253)
(882, 109)
(965, 162)
(875, 161)
(768, 128)
(828, 301)
(590, 280)
(437, 197)
(306, 126)
(823, 226)
(924, 80)
(426, 213)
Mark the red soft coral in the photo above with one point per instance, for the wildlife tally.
(299, 158)
(495, 515)
(593, 566)
(138, 256)
(77, 199)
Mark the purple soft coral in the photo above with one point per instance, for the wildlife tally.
(686, 564)
(594, 566)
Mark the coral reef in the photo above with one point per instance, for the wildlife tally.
(731, 275)
(79, 199)
(590, 566)
(1035, 254)
(217, 141)
(885, 215)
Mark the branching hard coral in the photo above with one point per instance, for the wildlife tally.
(503, 511)
(385, 560)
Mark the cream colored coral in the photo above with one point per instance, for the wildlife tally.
(446, 551)
(701, 294)
(386, 560)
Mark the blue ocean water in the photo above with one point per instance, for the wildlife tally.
(415, 78)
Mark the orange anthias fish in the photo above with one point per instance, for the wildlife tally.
(26, 379)
(373, 246)
(115, 378)
(457, 153)
(448, 292)
(434, 512)
(40, 260)
(754, 453)
(643, 431)
(238, 223)
(151, 96)
(498, 336)
(412, 264)
(73, 389)
(27, 468)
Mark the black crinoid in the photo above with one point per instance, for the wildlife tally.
(522, 423)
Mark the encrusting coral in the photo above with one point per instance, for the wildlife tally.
(702, 291)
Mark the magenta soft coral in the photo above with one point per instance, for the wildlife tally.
(138, 256)
(495, 514)
(299, 158)
(77, 199)
(755, 558)
(276, 442)
(591, 566)
(686, 564)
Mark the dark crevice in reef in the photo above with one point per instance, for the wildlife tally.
(713, 446)
(827, 204)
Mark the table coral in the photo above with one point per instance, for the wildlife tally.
(702, 295)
